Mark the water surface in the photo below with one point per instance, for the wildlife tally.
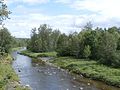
(44, 77)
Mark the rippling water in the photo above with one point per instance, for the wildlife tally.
(45, 77)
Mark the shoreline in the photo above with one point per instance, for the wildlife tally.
(9, 80)
(73, 65)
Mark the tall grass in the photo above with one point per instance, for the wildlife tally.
(7, 74)
(90, 69)
(35, 55)
(17, 48)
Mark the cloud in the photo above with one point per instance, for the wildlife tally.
(23, 19)
(20, 26)
(63, 1)
(104, 13)
(108, 8)
(35, 1)
(31, 2)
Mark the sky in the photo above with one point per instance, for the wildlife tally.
(65, 15)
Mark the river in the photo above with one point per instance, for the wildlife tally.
(46, 77)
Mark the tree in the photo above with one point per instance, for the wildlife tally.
(87, 51)
(107, 48)
(3, 11)
(5, 40)
(44, 34)
(62, 45)
(54, 38)
(5, 36)
(33, 43)
(88, 26)
(43, 39)
(73, 44)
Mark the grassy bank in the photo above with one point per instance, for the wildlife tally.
(8, 78)
(35, 55)
(17, 48)
(90, 69)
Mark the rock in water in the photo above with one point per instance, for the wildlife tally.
(88, 84)
(81, 88)
(19, 71)
(27, 85)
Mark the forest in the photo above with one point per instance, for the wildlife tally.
(101, 45)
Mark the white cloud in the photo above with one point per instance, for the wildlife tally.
(64, 1)
(21, 26)
(106, 13)
(110, 8)
(35, 1)
(31, 2)
(105, 8)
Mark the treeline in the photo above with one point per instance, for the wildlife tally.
(7, 41)
(43, 39)
(102, 45)
(19, 42)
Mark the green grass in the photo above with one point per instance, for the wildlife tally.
(90, 69)
(35, 55)
(15, 49)
(7, 74)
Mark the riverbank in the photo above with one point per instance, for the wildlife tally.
(35, 55)
(8, 78)
(15, 49)
(89, 69)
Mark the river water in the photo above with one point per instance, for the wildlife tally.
(45, 77)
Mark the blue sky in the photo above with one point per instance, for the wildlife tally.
(62, 14)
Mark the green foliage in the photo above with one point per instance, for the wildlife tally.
(35, 55)
(68, 45)
(98, 44)
(87, 51)
(7, 74)
(44, 40)
(88, 26)
(21, 88)
(19, 42)
(107, 49)
(90, 69)
(62, 45)
(16, 49)
(5, 40)
(8, 77)
(3, 11)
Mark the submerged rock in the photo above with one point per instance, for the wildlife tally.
(81, 88)
(54, 73)
(74, 78)
(74, 86)
(81, 75)
(88, 84)
(62, 79)
(19, 70)
(27, 86)
(39, 70)
(50, 74)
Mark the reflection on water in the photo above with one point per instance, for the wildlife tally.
(44, 77)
